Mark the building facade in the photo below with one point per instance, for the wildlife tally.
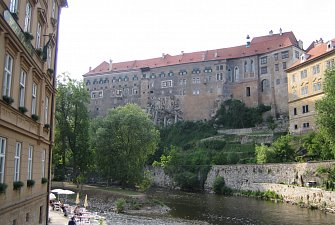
(305, 85)
(192, 86)
(28, 43)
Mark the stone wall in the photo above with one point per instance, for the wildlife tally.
(288, 180)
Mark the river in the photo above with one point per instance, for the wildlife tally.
(191, 208)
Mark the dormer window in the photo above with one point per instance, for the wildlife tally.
(303, 57)
(330, 46)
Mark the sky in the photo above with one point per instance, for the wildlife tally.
(124, 30)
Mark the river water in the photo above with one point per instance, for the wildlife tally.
(191, 208)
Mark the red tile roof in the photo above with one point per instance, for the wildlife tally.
(313, 51)
(258, 45)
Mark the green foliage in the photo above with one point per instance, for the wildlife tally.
(146, 182)
(3, 188)
(213, 144)
(71, 133)
(218, 184)
(329, 179)
(123, 141)
(264, 154)
(267, 195)
(44, 180)
(23, 109)
(9, 100)
(326, 110)
(30, 183)
(35, 117)
(234, 114)
(17, 185)
(317, 147)
(120, 204)
(271, 123)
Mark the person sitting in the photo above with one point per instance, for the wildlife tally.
(72, 221)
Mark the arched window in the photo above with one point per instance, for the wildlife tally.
(252, 66)
(237, 73)
(245, 66)
(230, 76)
(265, 85)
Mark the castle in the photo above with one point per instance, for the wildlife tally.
(192, 86)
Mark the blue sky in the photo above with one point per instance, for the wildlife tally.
(122, 30)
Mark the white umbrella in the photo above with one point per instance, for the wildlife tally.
(85, 202)
(66, 192)
(57, 190)
(77, 199)
(52, 196)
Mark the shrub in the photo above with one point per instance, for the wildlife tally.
(47, 126)
(3, 188)
(17, 185)
(44, 180)
(23, 109)
(145, 184)
(30, 183)
(35, 117)
(9, 100)
(120, 205)
(218, 185)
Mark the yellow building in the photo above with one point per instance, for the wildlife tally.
(305, 85)
(28, 48)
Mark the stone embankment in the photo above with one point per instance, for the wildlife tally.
(289, 180)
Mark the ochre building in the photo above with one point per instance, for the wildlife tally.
(305, 85)
(192, 86)
(28, 48)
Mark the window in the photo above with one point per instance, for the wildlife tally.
(316, 69)
(277, 81)
(284, 55)
(276, 67)
(219, 67)
(22, 88)
(284, 65)
(135, 91)
(43, 163)
(264, 60)
(303, 74)
(46, 110)
(293, 78)
(13, 6)
(30, 162)
(166, 83)
(219, 76)
(297, 54)
(247, 91)
(305, 125)
(2, 159)
(182, 72)
(97, 94)
(27, 18)
(305, 109)
(7, 75)
(295, 111)
(295, 126)
(53, 9)
(317, 86)
(38, 35)
(237, 73)
(33, 99)
(265, 85)
(276, 56)
(294, 94)
(304, 90)
(245, 66)
(49, 56)
(170, 74)
(329, 63)
(182, 82)
(196, 71)
(208, 70)
(252, 66)
(196, 92)
(196, 80)
(264, 70)
(17, 156)
(40, 218)
(27, 217)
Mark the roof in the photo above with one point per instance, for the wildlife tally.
(258, 45)
(314, 51)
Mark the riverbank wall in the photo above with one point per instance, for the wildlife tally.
(289, 180)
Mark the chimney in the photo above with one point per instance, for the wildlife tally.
(90, 69)
(280, 31)
(203, 56)
(182, 52)
(110, 65)
(321, 40)
(215, 54)
(301, 44)
(248, 41)
(163, 55)
(270, 32)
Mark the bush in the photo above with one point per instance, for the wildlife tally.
(17, 185)
(218, 185)
(214, 144)
(187, 180)
(3, 188)
(44, 180)
(145, 184)
(35, 117)
(30, 183)
(120, 205)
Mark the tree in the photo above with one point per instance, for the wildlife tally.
(326, 110)
(264, 154)
(72, 124)
(123, 142)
